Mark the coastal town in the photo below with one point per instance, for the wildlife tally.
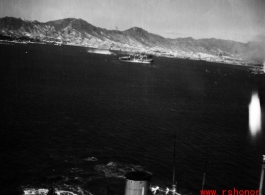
(155, 51)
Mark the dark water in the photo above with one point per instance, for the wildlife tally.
(61, 105)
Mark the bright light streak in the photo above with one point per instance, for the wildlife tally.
(254, 115)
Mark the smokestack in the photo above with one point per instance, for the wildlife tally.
(137, 183)
(262, 175)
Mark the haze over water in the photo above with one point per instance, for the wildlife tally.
(61, 105)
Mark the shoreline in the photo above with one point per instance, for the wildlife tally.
(214, 59)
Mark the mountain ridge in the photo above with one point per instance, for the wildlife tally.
(80, 32)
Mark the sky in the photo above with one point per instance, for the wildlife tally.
(238, 20)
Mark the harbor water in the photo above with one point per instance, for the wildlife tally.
(75, 118)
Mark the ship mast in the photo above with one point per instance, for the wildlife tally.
(174, 169)
(262, 175)
(204, 174)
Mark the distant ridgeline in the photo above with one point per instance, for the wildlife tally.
(79, 32)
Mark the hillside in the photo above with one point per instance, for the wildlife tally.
(79, 32)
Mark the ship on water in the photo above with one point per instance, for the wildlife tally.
(137, 58)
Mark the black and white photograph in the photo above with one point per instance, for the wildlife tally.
(132, 97)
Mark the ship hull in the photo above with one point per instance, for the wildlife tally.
(138, 61)
(133, 60)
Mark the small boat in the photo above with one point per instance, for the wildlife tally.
(137, 58)
(101, 51)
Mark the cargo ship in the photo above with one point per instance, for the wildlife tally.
(137, 58)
